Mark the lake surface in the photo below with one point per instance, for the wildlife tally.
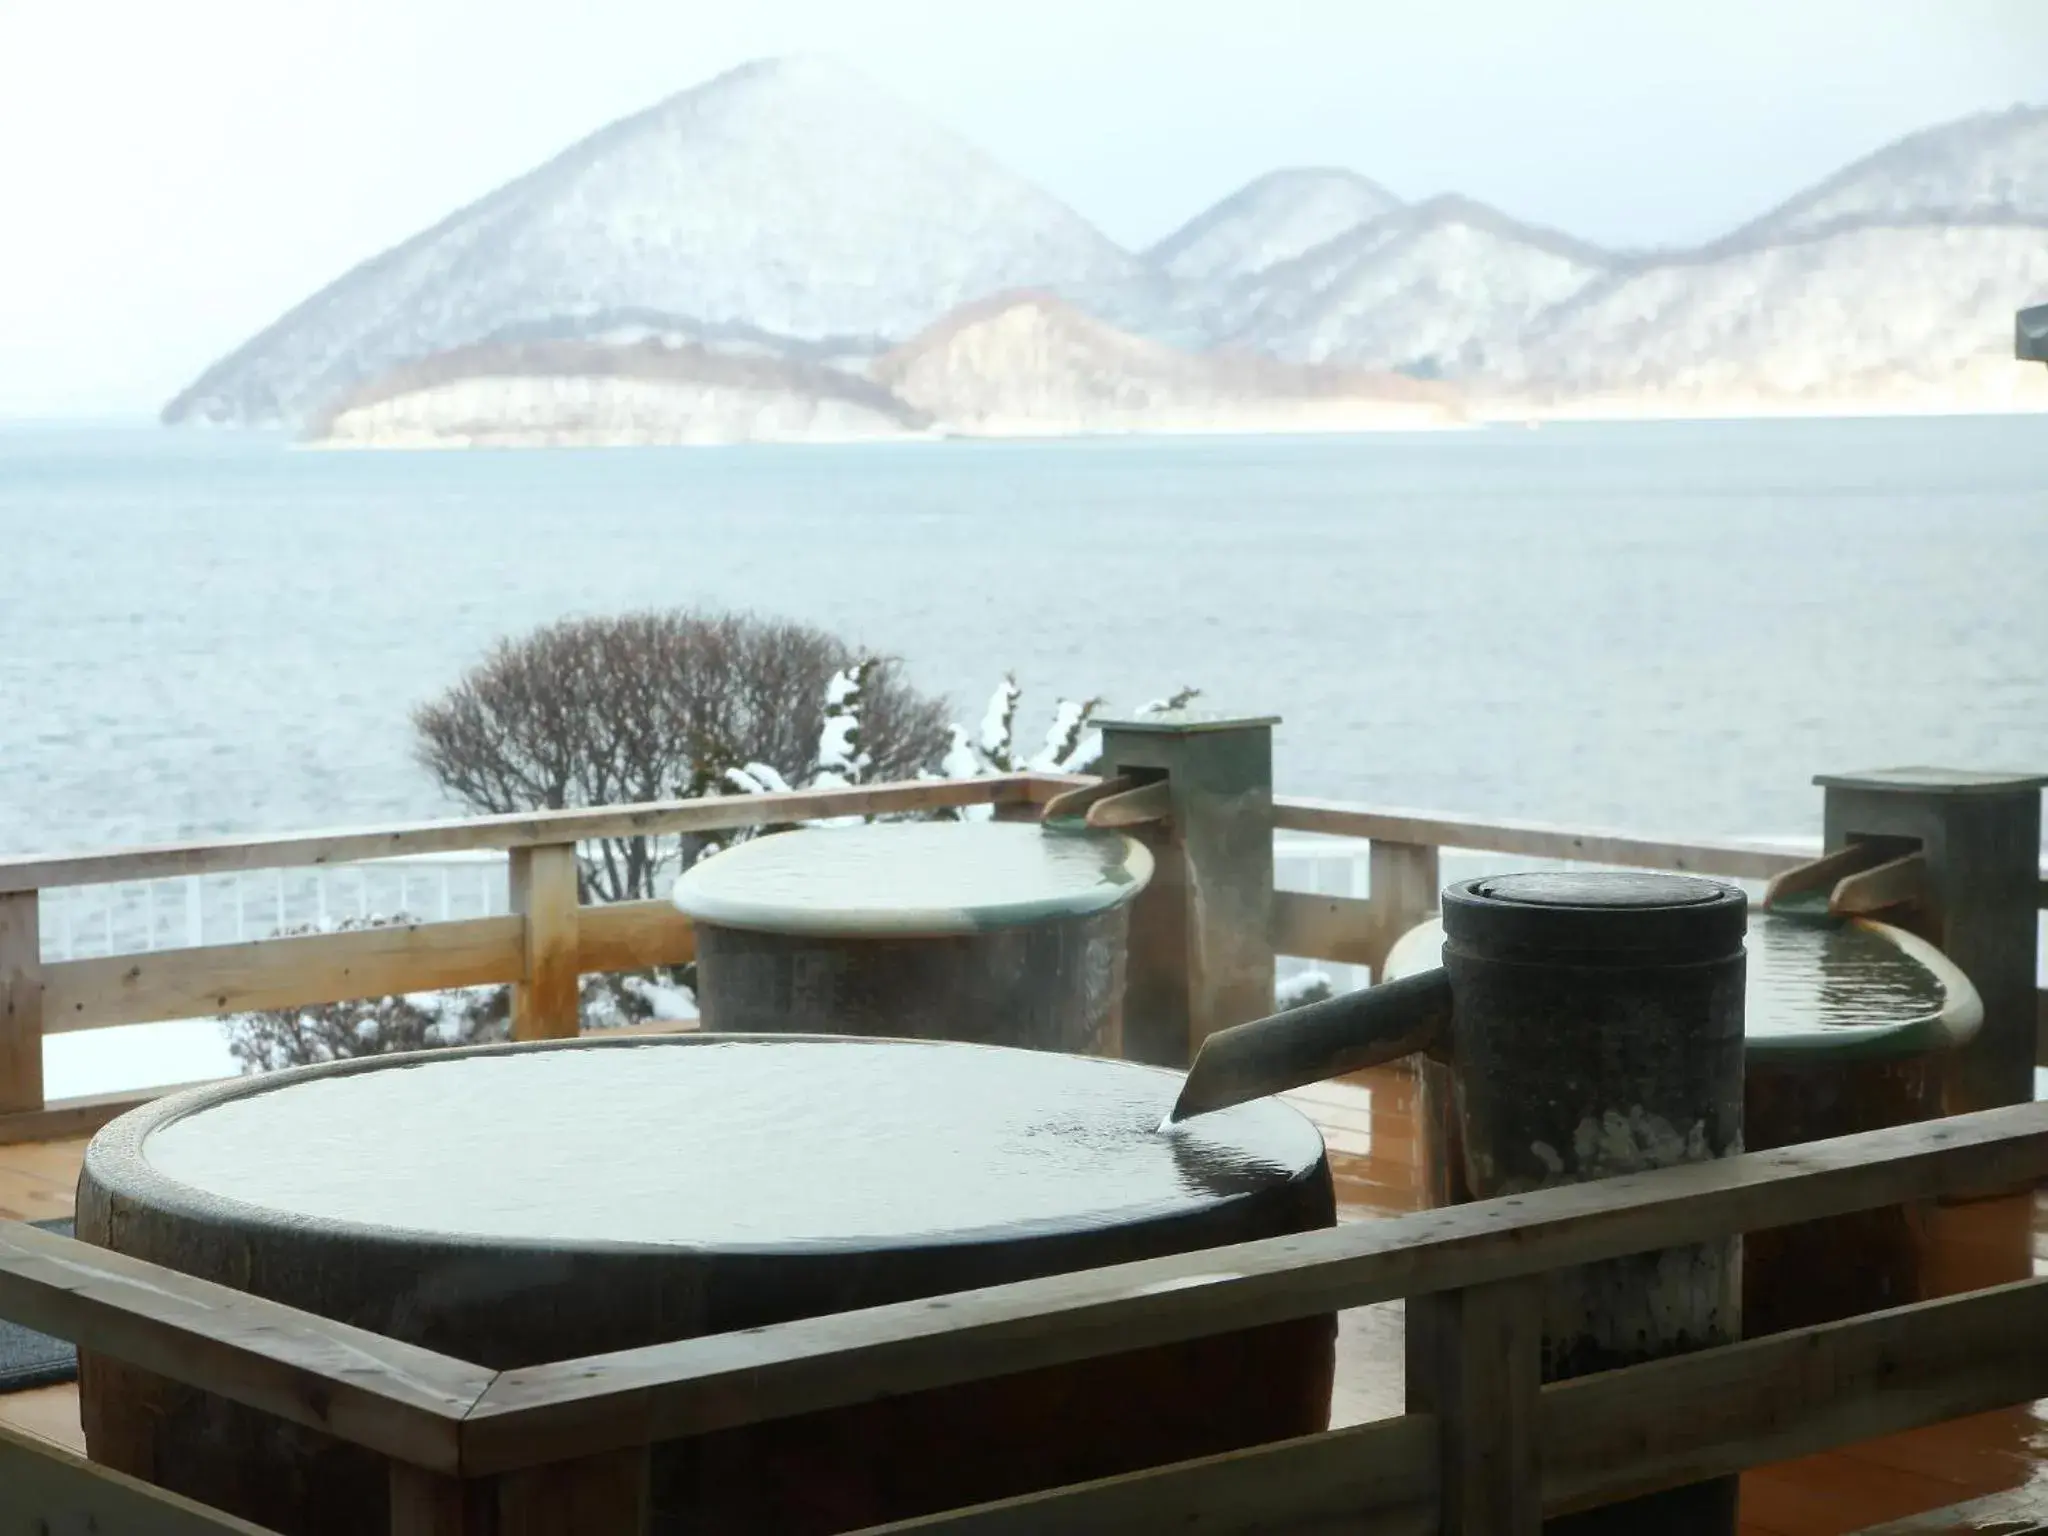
(1661, 627)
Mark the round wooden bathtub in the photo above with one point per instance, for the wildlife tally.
(516, 1205)
(997, 932)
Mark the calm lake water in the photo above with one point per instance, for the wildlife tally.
(1660, 627)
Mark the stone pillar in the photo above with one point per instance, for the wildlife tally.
(1596, 1030)
(1981, 836)
(1201, 955)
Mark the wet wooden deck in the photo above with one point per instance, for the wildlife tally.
(1368, 1123)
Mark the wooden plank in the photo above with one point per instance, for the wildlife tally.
(1343, 929)
(547, 1003)
(1884, 885)
(1480, 1371)
(1379, 1476)
(1407, 884)
(1689, 1417)
(1604, 1437)
(64, 1118)
(603, 1495)
(49, 1492)
(520, 830)
(392, 1397)
(692, 1386)
(633, 935)
(21, 1005)
(1733, 859)
(216, 979)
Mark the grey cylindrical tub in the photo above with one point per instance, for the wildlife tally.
(997, 933)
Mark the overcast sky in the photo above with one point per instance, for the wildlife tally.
(172, 177)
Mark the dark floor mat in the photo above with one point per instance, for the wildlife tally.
(31, 1359)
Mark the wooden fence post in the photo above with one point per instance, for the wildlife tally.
(546, 1002)
(21, 1005)
(602, 1495)
(1406, 885)
(1475, 1361)
(1201, 944)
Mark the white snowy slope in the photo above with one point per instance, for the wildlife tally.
(1280, 216)
(583, 394)
(1444, 288)
(1029, 364)
(788, 203)
(1985, 169)
(1870, 318)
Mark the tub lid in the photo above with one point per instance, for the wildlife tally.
(923, 878)
(1816, 985)
(715, 1144)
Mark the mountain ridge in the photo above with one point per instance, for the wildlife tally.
(790, 209)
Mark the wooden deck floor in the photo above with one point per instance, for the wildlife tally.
(1368, 1124)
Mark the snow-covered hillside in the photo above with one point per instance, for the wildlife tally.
(1030, 363)
(1868, 317)
(1443, 289)
(787, 200)
(585, 394)
(1989, 168)
(1282, 215)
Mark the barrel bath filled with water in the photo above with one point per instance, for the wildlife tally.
(996, 932)
(523, 1204)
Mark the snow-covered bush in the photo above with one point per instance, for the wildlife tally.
(1071, 743)
(1303, 988)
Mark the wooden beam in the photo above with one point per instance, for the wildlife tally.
(1484, 1363)
(21, 1005)
(547, 1003)
(604, 1495)
(1379, 1477)
(1732, 859)
(522, 830)
(1689, 1417)
(394, 1398)
(693, 1386)
(633, 935)
(1406, 884)
(217, 979)
(50, 1492)
(61, 1119)
(1343, 929)
(1604, 1437)
(1882, 886)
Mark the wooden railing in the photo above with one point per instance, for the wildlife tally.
(554, 1449)
(549, 939)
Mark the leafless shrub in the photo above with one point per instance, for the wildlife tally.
(652, 706)
(370, 1026)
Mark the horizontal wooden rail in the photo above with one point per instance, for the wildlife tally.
(217, 979)
(1732, 860)
(50, 1492)
(1345, 930)
(394, 1398)
(1600, 1438)
(667, 1391)
(525, 830)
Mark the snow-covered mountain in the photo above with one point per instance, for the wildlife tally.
(587, 394)
(1445, 288)
(1276, 218)
(787, 201)
(1029, 363)
(1871, 316)
(790, 211)
(1989, 168)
